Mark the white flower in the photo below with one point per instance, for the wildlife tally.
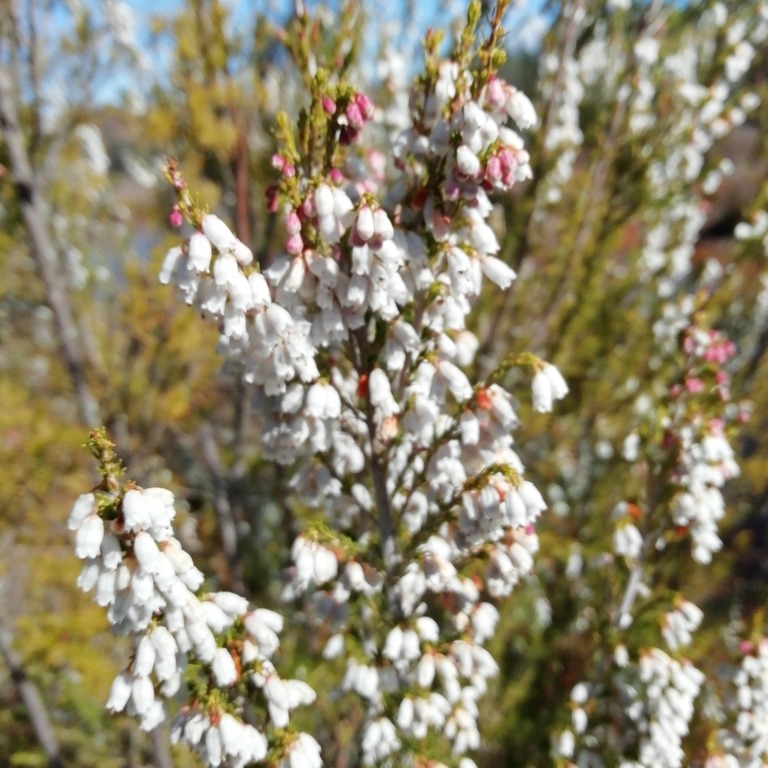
(89, 537)
(223, 668)
(382, 226)
(364, 224)
(456, 380)
(142, 694)
(556, 380)
(147, 554)
(498, 272)
(144, 660)
(678, 626)
(627, 541)
(83, 507)
(542, 392)
(379, 741)
(548, 385)
(199, 252)
(467, 161)
(263, 626)
(323, 200)
(135, 511)
(217, 232)
(520, 109)
(303, 752)
(120, 692)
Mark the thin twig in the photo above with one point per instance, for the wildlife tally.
(44, 255)
(222, 507)
(33, 701)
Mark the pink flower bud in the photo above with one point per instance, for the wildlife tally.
(355, 116)
(175, 218)
(365, 105)
(493, 170)
(494, 93)
(292, 223)
(329, 105)
(294, 244)
(307, 209)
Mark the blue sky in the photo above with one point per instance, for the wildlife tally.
(525, 24)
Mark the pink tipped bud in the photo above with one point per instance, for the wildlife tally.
(175, 218)
(329, 105)
(294, 244)
(308, 208)
(494, 93)
(365, 105)
(493, 170)
(355, 116)
(292, 223)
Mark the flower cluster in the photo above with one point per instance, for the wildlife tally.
(662, 708)
(644, 719)
(746, 742)
(641, 712)
(182, 635)
(356, 341)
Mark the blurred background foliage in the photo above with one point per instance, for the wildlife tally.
(103, 92)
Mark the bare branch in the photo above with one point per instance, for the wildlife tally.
(33, 701)
(222, 507)
(44, 255)
(160, 749)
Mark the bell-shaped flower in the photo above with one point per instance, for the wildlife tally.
(147, 553)
(364, 227)
(120, 692)
(82, 508)
(223, 668)
(142, 694)
(144, 660)
(89, 537)
(303, 752)
(199, 252)
(217, 232)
